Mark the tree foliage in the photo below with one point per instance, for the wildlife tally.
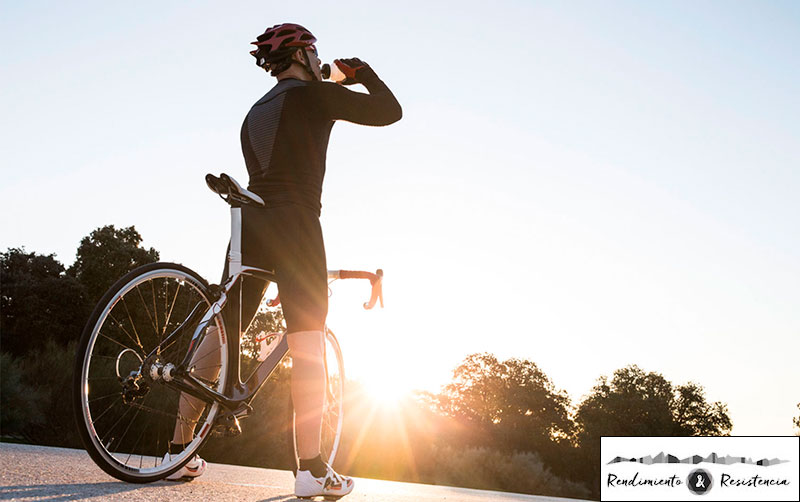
(107, 254)
(512, 406)
(637, 403)
(511, 402)
(694, 416)
(39, 302)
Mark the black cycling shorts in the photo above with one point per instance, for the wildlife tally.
(288, 240)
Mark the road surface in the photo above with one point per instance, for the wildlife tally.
(60, 474)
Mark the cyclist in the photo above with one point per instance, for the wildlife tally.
(284, 141)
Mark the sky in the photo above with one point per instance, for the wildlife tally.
(583, 184)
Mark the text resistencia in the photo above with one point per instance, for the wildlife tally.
(728, 480)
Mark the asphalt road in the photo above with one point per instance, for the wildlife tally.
(60, 474)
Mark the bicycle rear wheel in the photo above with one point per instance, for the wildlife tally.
(125, 413)
(332, 412)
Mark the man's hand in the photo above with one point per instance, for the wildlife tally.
(350, 67)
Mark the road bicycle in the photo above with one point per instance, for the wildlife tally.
(155, 362)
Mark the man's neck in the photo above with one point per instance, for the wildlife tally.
(296, 72)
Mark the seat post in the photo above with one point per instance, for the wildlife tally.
(235, 253)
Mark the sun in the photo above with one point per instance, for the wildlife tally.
(385, 391)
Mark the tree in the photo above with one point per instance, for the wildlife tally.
(39, 302)
(511, 404)
(636, 403)
(694, 416)
(106, 255)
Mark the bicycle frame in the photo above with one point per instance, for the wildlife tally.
(236, 391)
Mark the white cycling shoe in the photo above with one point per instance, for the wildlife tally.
(193, 468)
(330, 486)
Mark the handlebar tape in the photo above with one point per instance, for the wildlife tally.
(358, 274)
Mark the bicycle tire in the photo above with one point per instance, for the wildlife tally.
(333, 411)
(92, 372)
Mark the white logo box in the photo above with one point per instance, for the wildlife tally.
(741, 467)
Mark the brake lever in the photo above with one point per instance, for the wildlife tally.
(377, 291)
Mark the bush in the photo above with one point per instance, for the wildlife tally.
(37, 396)
(50, 370)
(490, 469)
(19, 402)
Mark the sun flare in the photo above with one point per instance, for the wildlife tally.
(385, 392)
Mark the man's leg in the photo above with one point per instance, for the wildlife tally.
(207, 366)
(314, 476)
(308, 389)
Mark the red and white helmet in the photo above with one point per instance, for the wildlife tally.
(279, 42)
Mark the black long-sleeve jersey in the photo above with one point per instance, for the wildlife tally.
(285, 134)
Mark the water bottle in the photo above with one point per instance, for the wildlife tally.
(332, 72)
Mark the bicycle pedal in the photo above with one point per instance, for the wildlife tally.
(243, 411)
(227, 425)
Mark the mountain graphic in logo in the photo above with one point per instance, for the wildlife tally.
(713, 458)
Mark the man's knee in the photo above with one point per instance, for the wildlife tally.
(306, 344)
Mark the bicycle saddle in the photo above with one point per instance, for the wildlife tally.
(227, 188)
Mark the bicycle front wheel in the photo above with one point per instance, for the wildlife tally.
(126, 414)
(332, 416)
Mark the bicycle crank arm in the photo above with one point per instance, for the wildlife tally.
(195, 388)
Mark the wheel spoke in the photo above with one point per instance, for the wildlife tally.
(98, 356)
(133, 324)
(210, 353)
(207, 367)
(106, 410)
(170, 344)
(119, 441)
(129, 425)
(105, 397)
(133, 448)
(112, 340)
(176, 415)
(172, 306)
(103, 440)
(120, 326)
(198, 412)
(144, 304)
(158, 445)
(155, 310)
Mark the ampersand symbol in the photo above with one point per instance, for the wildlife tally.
(699, 481)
